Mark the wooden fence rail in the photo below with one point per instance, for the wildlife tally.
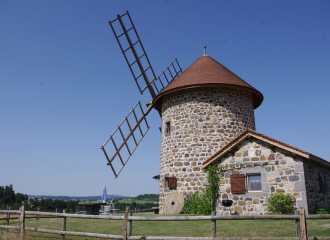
(300, 221)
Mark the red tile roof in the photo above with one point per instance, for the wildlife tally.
(206, 71)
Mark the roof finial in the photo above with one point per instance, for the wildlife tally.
(204, 48)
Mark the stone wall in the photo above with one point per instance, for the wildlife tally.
(202, 120)
(318, 196)
(280, 173)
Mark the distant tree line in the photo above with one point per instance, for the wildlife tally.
(51, 205)
(148, 197)
(134, 205)
(9, 198)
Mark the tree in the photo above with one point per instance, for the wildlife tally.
(20, 197)
(9, 197)
(2, 193)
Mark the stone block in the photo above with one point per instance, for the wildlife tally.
(271, 157)
(277, 179)
(299, 168)
(293, 178)
(178, 164)
(235, 198)
(296, 195)
(288, 171)
(238, 209)
(268, 169)
(283, 161)
(241, 203)
(238, 154)
(284, 178)
(279, 190)
(278, 156)
(255, 201)
(262, 158)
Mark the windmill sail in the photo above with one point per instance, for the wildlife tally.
(127, 142)
(133, 51)
(145, 78)
(171, 72)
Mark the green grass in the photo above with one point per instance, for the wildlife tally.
(225, 228)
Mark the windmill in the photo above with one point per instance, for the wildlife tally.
(129, 133)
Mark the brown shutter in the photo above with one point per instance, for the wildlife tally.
(172, 183)
(237, 182)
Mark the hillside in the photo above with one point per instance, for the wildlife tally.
(86, 198)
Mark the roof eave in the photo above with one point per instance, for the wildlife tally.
(243, 136)
(257, 96)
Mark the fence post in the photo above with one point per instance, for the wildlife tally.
(38, 216)
(214, 225)
(63, 225)
(8, 215)
(21, 222)
(129, 226)
(125, 223)
(303, 224)
(297, 222)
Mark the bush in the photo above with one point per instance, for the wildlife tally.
(197, 203)
(280, 204)
(321, 211)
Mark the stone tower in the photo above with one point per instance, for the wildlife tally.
(202, 110)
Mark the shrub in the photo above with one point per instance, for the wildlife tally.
(204, 202)
(321, 211)
(197, 203)
(280, 204)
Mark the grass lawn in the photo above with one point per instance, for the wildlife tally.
(225, 228)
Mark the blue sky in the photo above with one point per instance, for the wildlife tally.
(65, 86)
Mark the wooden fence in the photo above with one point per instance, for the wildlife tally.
(299, 218)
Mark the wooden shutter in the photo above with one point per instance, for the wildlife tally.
(172, 183)
(237, 182)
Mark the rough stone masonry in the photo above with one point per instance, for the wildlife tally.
(201, 121)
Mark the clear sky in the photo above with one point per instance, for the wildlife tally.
(65, 86)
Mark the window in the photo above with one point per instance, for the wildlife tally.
(241, 184)
(168, 127)
(253, 182)
(170, 182)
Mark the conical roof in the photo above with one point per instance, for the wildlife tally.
(206, 71)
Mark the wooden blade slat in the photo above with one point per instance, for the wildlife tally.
(125, 139)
